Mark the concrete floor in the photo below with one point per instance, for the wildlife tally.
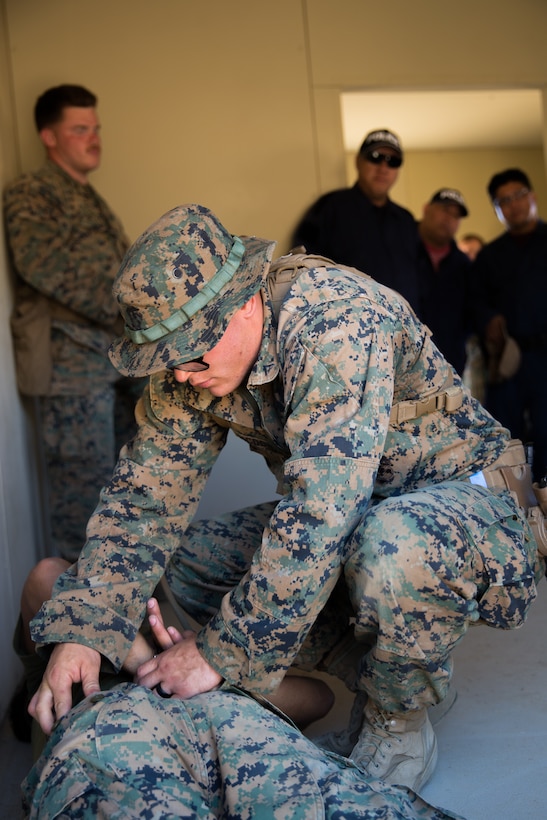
(491, 743)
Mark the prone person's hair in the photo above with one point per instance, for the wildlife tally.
(510, 175)
(49, 105)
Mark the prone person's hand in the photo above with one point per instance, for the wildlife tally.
(69, 663)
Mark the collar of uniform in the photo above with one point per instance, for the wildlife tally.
(266, 367)
(65, 176)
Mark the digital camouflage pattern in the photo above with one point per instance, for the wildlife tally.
(127, 753)
(317, 406)
(66, 244)
(179, 286)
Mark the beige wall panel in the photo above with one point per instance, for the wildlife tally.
(424, 43)
(204, 102)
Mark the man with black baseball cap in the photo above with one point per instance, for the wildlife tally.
(443, 271)
(362, 227)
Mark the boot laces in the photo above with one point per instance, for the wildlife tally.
(377, 737)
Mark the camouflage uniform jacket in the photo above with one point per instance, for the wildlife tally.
(67, 245)
(317, 406)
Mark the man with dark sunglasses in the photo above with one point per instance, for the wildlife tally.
(361, 226)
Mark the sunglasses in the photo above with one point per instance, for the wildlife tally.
(376, 158)
(193, 366)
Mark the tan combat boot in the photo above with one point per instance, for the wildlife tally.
(397, 747)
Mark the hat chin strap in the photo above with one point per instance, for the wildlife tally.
(206, 294)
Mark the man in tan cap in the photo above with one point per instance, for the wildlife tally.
(371, 565)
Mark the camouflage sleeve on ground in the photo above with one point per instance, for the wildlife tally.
(140, 520)
(128, 753)
(64, 242)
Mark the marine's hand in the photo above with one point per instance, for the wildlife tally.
(180, 669)
(69, 663)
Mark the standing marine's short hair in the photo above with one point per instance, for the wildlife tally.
(49, 105)
(510, 175)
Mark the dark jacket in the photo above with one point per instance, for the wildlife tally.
(345, 226)
(444, 300)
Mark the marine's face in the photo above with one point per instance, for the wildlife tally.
(74, 142)
(231, 360)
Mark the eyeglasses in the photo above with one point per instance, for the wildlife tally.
(193, 366)
(503, 201)
(390, 160)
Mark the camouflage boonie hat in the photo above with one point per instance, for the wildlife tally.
(179, 285)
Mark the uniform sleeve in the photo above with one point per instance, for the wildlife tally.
(338, 372)
(58, 252)
(138, 524)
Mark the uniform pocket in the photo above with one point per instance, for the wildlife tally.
(499, 533)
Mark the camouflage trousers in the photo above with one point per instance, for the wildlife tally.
(84, 421)
(416, 572)
(127, 753)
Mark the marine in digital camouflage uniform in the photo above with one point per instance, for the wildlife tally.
(227, 756)
(66, 246)
(381, 552)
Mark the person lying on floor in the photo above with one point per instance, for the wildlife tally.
(131, 753)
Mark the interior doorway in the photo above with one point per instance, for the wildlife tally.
(456, 138)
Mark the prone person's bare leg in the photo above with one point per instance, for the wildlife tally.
(303, 699)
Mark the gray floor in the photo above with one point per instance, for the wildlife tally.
(492, 742)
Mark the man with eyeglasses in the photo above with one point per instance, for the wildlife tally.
(362, 227)
(510, 296)
(385, 544)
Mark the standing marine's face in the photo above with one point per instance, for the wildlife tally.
(74, 142)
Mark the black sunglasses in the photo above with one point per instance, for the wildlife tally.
(193, 366)
(390, 160)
